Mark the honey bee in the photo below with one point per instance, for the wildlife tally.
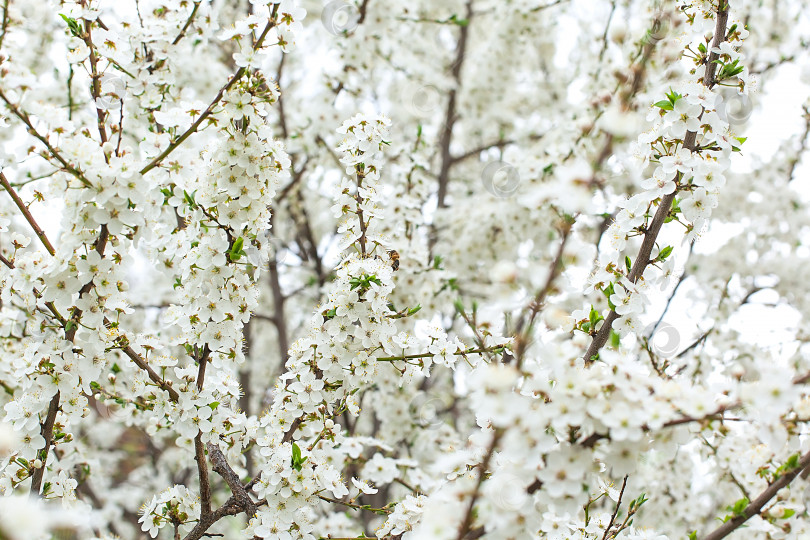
(393, 256)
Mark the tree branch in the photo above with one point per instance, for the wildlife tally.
(450, 115)
(27, 214)
(468, 515)
(23, 116)
(616, 510)
(47, 433)
(207, 112)
(651, 234)
(757, 504)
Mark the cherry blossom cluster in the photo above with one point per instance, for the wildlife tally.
(354, 338)
(690, 144)
(221, 316)
(211, 226)
(175, 506)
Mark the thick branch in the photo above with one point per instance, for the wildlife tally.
(651, 234)
(101, 114)
(239, 502)
(47, 433)
(450, 115)
(221, 467)
(199, 451)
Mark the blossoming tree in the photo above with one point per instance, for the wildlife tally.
(303, 269)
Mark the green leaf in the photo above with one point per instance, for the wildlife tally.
(608, 292)
(729, 70)
(297, 460)
(788, 513)
(237, 245)
(673, 96)
(455, 20)
(115, 368)
(739, 506)
(594, 317)
(414, 309)
(790, 464)
(189, 198)
(615, 339)
(666, 105)
(675, 206)
(628, 263)
(236, 252)
(73, 25)
(664, 253)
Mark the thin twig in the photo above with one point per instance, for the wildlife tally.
(523, 329)
(23, 116)
(153, 375)
(186, 26)
(5, 23)
(468, 515)
(616, 510)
